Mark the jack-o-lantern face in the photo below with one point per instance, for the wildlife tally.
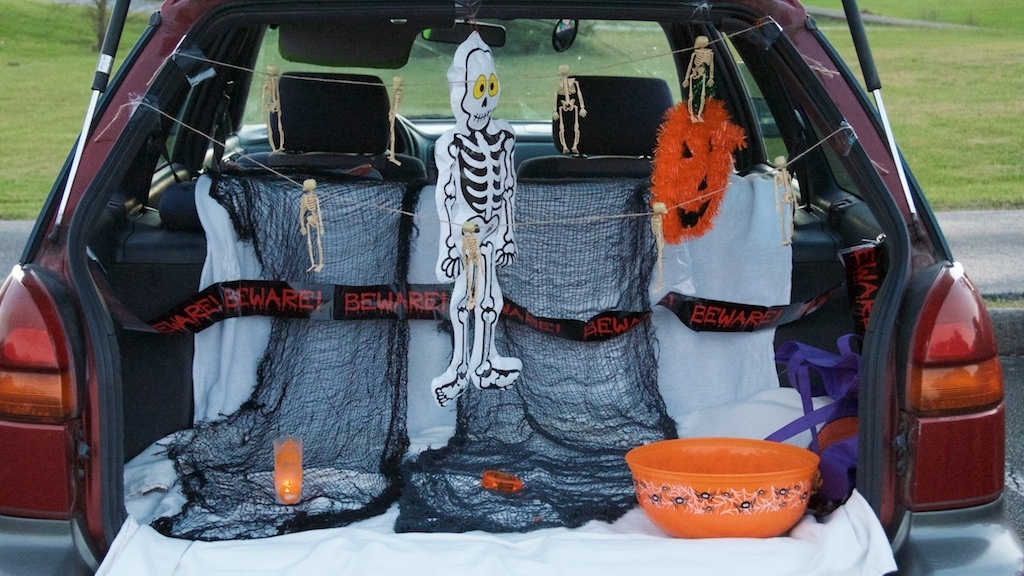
(692, 163)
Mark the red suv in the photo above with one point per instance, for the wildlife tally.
(312, 221)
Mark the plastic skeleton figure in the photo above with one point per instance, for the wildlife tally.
(567, 88)
(785, 199)
(311, 223)
(272, 105)
(475, 188)
(397, 87)
(700, 75)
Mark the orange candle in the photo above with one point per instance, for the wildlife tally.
(288, 469)
(501, 481)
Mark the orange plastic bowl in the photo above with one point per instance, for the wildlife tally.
(723, 487)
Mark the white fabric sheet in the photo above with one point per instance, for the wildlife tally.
(849, 543)
(151, 489)
(429, 350)
(757, 416)
(741, 259)
(227, 353)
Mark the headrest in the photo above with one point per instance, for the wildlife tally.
(622, 115)
(337, 113)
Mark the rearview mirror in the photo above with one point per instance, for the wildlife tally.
(564, 34)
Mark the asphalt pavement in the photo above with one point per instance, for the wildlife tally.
(141, 6)
(1013, 496)
(13, 235)
(990, 244)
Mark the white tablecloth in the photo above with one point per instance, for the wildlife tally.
(849, 542)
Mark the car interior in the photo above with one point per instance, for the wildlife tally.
(205, 117)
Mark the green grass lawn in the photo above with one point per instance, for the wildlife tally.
(955, 97)
(984, 13)
(46, 69)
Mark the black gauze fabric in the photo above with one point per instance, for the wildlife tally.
(339, 385)
(564, 426)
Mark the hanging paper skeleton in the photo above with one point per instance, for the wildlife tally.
(475, 189)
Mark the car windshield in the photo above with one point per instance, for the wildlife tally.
(527, 66)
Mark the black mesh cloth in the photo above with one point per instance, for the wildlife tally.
(565, 425)
(341, 386)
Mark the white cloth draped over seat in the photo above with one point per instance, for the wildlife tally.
(741, 259)
(227, 353)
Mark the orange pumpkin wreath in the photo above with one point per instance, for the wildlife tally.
(692, 163)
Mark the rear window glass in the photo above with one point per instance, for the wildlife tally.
(527, 66)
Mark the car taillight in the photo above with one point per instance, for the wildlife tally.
(38, 402)
(955, 363)
(36, 383)
(954, 392)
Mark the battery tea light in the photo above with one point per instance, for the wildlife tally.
(288, 469)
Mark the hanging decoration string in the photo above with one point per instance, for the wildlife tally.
(263, 166)
(569, 220)
(819, 67)
(467, 10)
(680, 51)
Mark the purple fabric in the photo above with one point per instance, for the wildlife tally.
(840, 376)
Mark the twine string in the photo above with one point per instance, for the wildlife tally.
(557, 221)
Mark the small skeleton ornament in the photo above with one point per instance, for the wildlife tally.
(700, 76)
(398, 89)
(311, 224)
(272, 108)
(785, 199)
(570, 106)
(475, 191)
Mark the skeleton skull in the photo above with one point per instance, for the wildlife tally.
(474, 83)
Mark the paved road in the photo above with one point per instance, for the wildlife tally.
(144, 6)
(990, 243)
(826, 13)
(13, 234)
(1013, 372)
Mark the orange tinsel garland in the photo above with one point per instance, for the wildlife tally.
(692, 163)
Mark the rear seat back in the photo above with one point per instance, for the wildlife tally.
(336, 121)
(327, 122)
(616, 135)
